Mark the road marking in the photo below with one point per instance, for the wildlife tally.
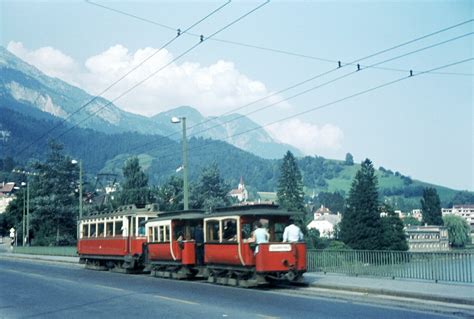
(107, 287)
(268, 317)
(176, 300)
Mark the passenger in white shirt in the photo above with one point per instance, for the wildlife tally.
(292, 234)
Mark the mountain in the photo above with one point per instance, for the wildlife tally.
(24, 83)
(228, 128)
(38, 93)
(160, 156)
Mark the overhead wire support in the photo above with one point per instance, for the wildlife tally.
(165, 66)
(290, 53)
(308, 90)
(124, 75)
(334, 102)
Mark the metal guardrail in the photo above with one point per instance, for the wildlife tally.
(68, 251)
(436, 266)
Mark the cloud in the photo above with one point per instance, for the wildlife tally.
(213, 89)
(49, 60)
(310, 138)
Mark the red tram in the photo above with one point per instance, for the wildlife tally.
(216, 246)
(114, 240)
(230, 258)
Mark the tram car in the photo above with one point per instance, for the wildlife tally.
(115, 240)
(230, 257)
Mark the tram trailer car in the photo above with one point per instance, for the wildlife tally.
(115, 240)
(230, 258)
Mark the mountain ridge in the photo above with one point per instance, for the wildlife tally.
(25, 83)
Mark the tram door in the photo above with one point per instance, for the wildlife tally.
(130, 233)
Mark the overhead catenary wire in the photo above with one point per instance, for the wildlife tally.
(286, 52)
(166, 65)
(326, 105)
(312, 88)
(62, 121)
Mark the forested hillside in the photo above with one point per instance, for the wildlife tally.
(160, 157)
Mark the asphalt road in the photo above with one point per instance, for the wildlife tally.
(32, 289)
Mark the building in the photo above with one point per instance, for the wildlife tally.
(427, 238)
(465, 211)
(240, 193)
(417, 213)
(325, 222)
(6, 195)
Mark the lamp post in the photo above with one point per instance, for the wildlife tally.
(176, 120)
(27, 237)
(80, 195)
(23, 240)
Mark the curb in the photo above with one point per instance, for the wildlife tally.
(41, 258)
(394, 293)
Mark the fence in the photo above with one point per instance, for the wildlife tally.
(437, 266)
(70, 251)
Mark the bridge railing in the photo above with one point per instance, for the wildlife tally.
(436, 266)
(68, 251)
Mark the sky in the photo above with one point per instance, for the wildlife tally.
(421, 126)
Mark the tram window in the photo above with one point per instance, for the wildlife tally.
(109, 229)
(133, 226)
(93, 230)
(167, 233)
(230, 230)
(101, 229)
(161, 233)
(155, 233)
(178, 231)
(246, 231)
(278, 232)
(85, 230)
(141, 226)
(118, 228)
(212, 231)
(150, 234)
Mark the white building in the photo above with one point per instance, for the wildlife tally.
(6, 195)
(241, 192)
(427, 238)
(325, 222)
(464, 211)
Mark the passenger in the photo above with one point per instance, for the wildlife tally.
(260, 235)
(199, 239)
(180, 236)
(292, 233)
(230, 231)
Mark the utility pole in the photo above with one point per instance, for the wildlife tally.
(185, 166)
(185, 161)
(23, 235)
(80, 190)
(27, 212)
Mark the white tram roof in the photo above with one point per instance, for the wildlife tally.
(244, 210)
(126, 210)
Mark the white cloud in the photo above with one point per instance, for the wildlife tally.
(310, 138)
(49, 60)
(213, 89)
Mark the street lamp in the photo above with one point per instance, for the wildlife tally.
(80, 195)
(24, 212)
(27, 237)
(176, 120)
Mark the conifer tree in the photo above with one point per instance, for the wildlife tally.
(392, 230)
(361, 226)
(431, 207)
(210, 191)
(290, 185)
(135, 187)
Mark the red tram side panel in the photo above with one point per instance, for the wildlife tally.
(114, 240)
